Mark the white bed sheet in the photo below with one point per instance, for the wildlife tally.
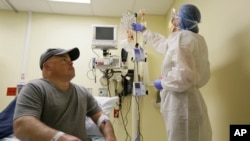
(10, 138)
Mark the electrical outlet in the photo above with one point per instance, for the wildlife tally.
(116, 113)
(102, 92)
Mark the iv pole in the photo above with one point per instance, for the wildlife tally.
(135, 102)
(135, 98)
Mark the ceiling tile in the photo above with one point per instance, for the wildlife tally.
(156, 7)
(31, 5)
(3, 5)
(114, 8)
(111, 7)
(70, 8)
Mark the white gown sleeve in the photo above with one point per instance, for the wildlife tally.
(158, 42)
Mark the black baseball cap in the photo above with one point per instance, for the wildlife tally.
(74, 53)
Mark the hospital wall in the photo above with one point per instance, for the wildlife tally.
(225, 26)
(67, 31)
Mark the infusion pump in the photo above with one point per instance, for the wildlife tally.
(110, 62)
(139, 89)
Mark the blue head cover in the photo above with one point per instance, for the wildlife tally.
(189, 18)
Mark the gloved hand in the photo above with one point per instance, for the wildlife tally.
(157, 84)
(137, 27)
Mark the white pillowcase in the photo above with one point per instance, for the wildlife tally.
(107, 104)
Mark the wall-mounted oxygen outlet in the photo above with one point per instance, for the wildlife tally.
(102, 92)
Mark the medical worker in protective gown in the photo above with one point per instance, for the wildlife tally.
(185, 69)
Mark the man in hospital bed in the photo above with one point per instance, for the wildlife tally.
(53, 108)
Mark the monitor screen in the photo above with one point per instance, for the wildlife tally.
(104, 36)
(137, 85)
(104, 33)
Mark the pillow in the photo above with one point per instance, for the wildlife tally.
(107, 104)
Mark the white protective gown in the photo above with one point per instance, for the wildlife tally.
(184, 70)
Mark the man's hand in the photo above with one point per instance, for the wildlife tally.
(67, 137)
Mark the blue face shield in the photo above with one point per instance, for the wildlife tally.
(189, 17)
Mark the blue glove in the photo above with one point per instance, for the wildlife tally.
(157, 84)
(137, 27)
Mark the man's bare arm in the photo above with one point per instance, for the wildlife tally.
(105, 127)
(29, 128)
